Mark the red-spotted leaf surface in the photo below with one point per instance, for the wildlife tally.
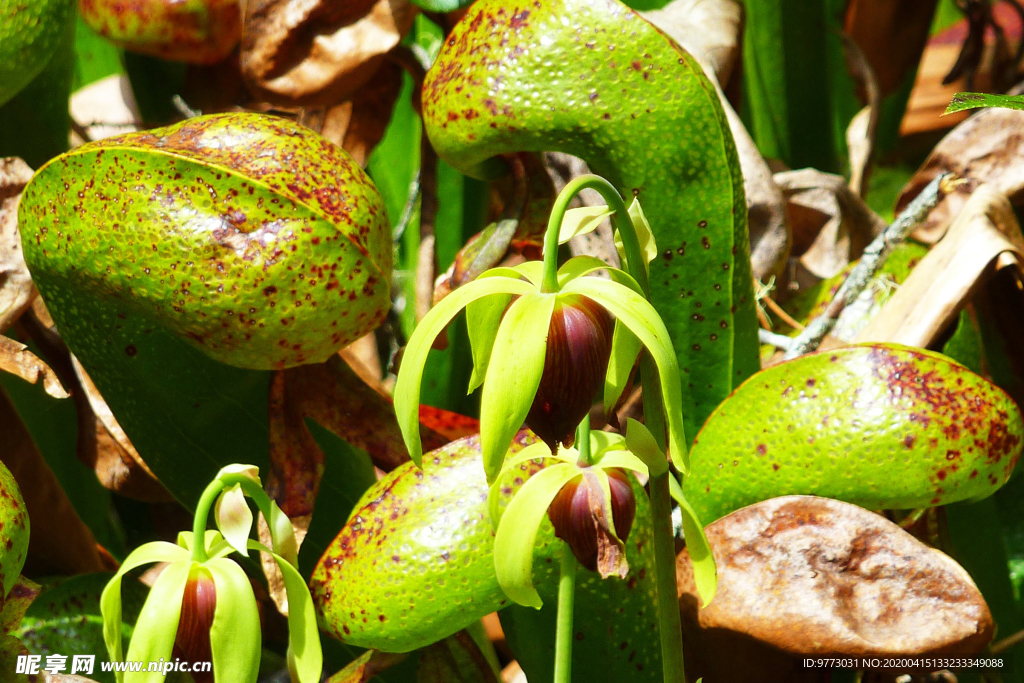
(196, 31)
(14, 530)
(289, 223)
(809, 575)
(594, 79)
(415, 563)
(250, 236)
(880, 425)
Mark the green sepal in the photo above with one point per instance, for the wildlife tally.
(410, 375)
(157, 625)
(517, 532)
(605, 441)
(636, 313)
(283, 535)
(531, 270)
(581, 266)
(235, 635)
(303, 632)
(644, 234)
(642, 443)
(532, 452)
(513, 375)
(110, 599)
(606, 499)
(625, 350)
(705, 571)
(234, 518)
(483, 317)
(622, 459)
(581, 221)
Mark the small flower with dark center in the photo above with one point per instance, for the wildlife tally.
(579, 513)
(575, 362)
(202, 609)
(544, 343)
(592, 508)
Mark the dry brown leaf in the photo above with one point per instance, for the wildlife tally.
(104, 446)
(945, 279)
(16, 359)
(106, 107)
(318, 52)
(986, 148)
(860, 134)
(892, 36)
(810, 575)
(831, 225)
(60, 542)
(334, 396)
(710, 30)
(16, 288)
(358, 124)
(275, 579)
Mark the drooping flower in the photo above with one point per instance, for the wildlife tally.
(511, 316)
(202, 607)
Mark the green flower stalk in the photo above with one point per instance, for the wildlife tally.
(202, 607)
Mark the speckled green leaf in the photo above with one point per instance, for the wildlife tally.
(592, 78)
(252, 237)
(414, 563)
(66, 619)
(29, 34)
(14, 530)
(880, 426)
(187, 414)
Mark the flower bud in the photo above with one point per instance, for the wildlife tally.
(579, 345)
(578, 514)
(192, 642)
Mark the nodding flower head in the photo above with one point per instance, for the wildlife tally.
(575, 361)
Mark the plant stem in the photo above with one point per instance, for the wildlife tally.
(670, 626)
(583, 442)
(206, 501)
(566, 602)
(620, 220)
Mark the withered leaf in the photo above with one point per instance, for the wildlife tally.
(16, 359)
(811, 575)
(358, 124)
(986, 148)
(317, 52)
(16, 288)
(60, 542)
(831, 225)
(942, 283)
(334, 396)
(104, 446)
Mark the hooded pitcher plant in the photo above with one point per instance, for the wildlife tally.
(525, 319)
(202, 607)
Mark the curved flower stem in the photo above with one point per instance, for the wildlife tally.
(566, 604)
(620, 220)
(209, 497)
